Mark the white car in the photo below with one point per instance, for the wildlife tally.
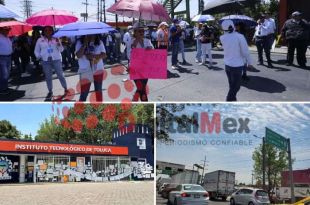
(190, 194)
(250, 196)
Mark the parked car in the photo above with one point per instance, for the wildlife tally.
(250, 196)
(189, 194)
(162, 188)
(169, 187)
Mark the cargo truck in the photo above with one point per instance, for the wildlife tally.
(219, 184)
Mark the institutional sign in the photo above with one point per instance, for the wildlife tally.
(54, 148)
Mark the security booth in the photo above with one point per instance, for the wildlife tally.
(140, 142)
(33, 161)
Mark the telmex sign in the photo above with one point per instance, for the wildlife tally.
(42, 147)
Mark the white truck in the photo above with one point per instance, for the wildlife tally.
(219, 184)
(186, 177)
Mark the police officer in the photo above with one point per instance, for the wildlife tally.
(296, 33)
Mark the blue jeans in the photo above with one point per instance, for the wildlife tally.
(234, 79)
(85, 87)
(198, 47)
(48, 67)
(5, 67)
(175, 52)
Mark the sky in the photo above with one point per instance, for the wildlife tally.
(28, 117)
(76, 7)
(290, 120)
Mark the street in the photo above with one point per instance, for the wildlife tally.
(188, 83)
(162, 201)
(124, 193)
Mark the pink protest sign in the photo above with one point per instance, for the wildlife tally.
(148, 64)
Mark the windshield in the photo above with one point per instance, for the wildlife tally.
(193, 188)
(261, 193)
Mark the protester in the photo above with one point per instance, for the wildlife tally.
(206, 36)
(272, 28)
(154, 37)
(262, 41)
(197, 31)
(66, 53)
(90, 52)
(296, 32)
(5, 59)
(34, 38)
(139, 41)
(48, 50)
(182, 45)
(240, 28)
(175, 34)
(236, 51)
(163, 36)
(127, 41)
(117, 47)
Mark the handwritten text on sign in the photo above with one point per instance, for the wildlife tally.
(148, 64)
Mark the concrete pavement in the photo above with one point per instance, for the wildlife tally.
(188, 83)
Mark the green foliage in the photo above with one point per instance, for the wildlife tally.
(2, 2)
(8, 131)
(276, 162)
(57, 130)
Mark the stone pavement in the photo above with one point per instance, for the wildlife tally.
(113, 193)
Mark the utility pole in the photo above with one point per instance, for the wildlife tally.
(98, 10)
(116, 17)
(27, 7)
(104, 14)
(264, 163)
(252, 178)
(203, 169)
(291, 171)
(86, 9)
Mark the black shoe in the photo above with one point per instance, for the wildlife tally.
(49, 95)
(245, 78)
(289, 64)
(260, 63)
(184, 63)
(302, 66)
(270, 65)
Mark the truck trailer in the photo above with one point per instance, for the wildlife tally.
(219, 184)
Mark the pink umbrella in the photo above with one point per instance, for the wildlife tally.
(141, 9)
(17, 28)
(51, 17)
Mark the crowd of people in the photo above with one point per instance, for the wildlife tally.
(90, 53)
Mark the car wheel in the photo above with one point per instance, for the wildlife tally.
(251, 203)
(232, 202)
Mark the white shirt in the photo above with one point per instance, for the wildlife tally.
(262, 29)
(197, 32)
(236, 49)
(45, 48)
(160, 35)
(146, 42)
(84, 63)
(127, 39)
(272, 25)
(5, 45)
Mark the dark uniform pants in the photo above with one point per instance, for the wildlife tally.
(301, 47)
(263, 43)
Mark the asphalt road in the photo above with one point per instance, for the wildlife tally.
(162, 201)
(188, 83)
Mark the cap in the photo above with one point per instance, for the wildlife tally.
(163, 24)
(296, 13)
(138, 25)
(226, 24)
(129, 27)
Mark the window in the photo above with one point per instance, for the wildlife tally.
(193, 188)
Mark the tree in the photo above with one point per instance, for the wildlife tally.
(8, 131)
(27, 137)
(2, 2)
(94, 123)
(276, 162)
